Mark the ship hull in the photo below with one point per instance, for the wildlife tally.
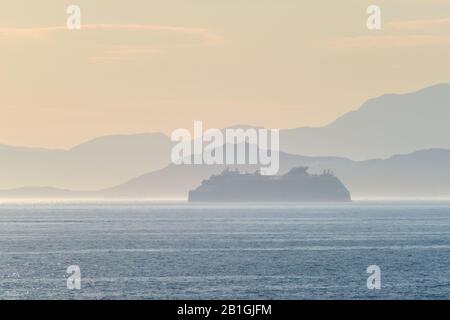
(307, 189)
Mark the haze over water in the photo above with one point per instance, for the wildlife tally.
(150, 251)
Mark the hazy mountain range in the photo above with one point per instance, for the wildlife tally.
(96, 164)
(381, 127)
(423, 174)
(415, 125)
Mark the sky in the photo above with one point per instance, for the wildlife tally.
(157, 65)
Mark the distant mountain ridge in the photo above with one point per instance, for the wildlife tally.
(422, 174)
(419, 175)
(96, 164)
(381, 127)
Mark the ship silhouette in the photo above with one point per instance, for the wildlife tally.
(295, 186)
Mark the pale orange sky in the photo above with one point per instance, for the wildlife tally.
(157, 65)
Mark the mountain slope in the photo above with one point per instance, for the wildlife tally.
(96, 164)
(388, 125)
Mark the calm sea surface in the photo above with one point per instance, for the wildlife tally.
(149, 251)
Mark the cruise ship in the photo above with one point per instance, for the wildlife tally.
(295, 186)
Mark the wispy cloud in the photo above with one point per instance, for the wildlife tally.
(206, 36)
(421, 39)
(401, 41)
(123, 48)
(419, 24)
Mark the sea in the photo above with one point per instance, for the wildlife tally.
(147, 250)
